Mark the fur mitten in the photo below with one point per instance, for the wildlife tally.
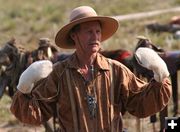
(149, 59)
(35, 72)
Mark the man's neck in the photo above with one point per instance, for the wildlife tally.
(86, 60)
(85, 64)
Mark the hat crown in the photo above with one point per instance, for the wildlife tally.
(82, 12)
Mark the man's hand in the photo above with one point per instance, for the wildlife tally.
(149, 59)
(35, 72)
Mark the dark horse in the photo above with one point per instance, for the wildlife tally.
(15, 59)
(121, 55)
(12, 58)
(172, 59)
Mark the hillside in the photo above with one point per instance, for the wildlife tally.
(27, 21)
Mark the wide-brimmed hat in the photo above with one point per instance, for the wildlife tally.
(84, 14)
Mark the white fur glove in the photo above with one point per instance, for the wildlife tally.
(149, 59)
(35, 72)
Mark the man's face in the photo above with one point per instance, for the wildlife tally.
(88, 38)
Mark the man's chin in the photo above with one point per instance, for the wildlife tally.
(95, 50)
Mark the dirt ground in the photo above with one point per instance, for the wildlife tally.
(131, 124)
(19, 127)
(6, 127)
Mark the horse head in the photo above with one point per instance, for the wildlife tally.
(142, 71)
(145, 42)
(8, 52)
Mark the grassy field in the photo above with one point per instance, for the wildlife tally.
(29, 20)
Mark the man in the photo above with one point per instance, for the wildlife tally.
(87, 91)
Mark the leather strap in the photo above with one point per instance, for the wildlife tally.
(74, 112)
(111, 96)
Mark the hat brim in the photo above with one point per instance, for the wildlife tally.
(109, 27)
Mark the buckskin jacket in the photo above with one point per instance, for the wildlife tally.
(64, 92)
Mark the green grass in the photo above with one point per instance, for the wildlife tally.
(5, 113)
(29, 20)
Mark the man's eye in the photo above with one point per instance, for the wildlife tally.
(89, 31)
(98, 31)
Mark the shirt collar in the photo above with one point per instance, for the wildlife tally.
(101, 62)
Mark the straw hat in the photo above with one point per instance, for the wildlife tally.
(84, 14)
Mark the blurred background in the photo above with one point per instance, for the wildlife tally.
(29, 20)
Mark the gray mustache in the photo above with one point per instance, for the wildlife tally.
(95, 42)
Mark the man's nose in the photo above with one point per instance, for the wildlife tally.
(95, 36)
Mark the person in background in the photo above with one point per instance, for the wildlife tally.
(88, 92)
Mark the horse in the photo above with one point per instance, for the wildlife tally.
(157, 27)
(15, 59)
(173, 27)
(13, 66)
(121, 55)
(172, 60)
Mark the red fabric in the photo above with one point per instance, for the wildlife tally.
(123, 56)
